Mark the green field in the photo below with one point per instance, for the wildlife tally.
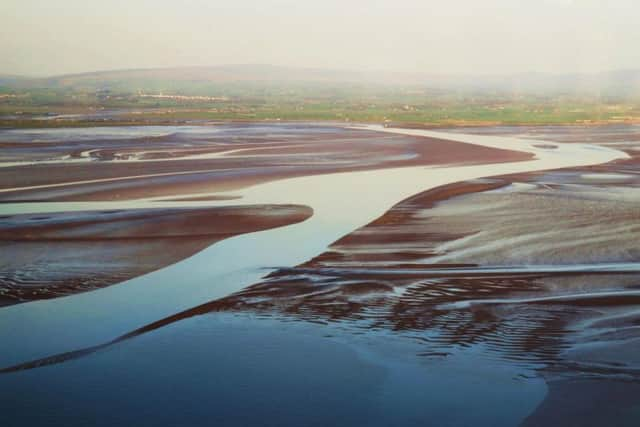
(128, 104)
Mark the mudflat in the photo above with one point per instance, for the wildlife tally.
(123, 163)
(59, 254)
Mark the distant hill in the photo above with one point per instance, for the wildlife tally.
(621, 83)
(12, 80)
(191, 75)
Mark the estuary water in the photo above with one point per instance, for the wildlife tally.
(251, 366)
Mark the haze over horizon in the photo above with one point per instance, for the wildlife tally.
(459, 37)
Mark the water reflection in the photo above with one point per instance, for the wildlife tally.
(563, 300)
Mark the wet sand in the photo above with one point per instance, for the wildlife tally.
(60, 254)
(226, 158)
(120, 164)
(473, 241)
(588, 403)
(488, 242)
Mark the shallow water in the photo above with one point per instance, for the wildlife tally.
(240, 369)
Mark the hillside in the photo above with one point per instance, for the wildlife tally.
(620, 83)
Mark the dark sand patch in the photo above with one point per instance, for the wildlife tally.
(588, 403)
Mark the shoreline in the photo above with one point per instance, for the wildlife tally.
(116, 245)
(336, 214)
(177, 174)
(5, 124)
(221, 272)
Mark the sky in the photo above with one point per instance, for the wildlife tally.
(446, 36)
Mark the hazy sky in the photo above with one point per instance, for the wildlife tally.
(463, 36)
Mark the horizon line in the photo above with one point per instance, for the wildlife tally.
(317, 68)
